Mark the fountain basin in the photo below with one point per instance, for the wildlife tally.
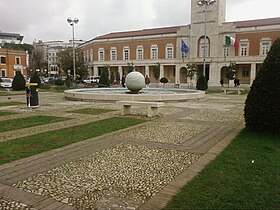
(122, 94)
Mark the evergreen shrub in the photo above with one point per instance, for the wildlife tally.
(163, 80)
(262, 110)
(104, 78)
(68, 81)
(18, 81)
(201, 83)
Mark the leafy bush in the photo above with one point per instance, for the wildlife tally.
(230, 71)
(18, 82)
(130, 67)
(191, 70)
(156, 71)
(35, 79)
(262, 112)
(68, 81)
(59, 82)
(201, 83)
(104, 78)
(163, 80)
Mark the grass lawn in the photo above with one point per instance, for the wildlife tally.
(6, 113)
(4, 92)
(27, 122)
(92, 111)
(246, 175)
(32, 145)
(11, 103)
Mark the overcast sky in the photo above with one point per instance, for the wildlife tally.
(46, 19)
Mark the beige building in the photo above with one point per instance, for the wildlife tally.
(146, 48)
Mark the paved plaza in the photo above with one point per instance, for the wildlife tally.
(140, 167)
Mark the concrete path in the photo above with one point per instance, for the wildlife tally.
(191, 133)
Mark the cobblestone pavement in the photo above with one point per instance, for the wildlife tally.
(137, 168)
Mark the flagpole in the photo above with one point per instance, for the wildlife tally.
(183, 56)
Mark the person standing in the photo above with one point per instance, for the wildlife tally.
(222, 82)
(147, 81)
(123, 80)
(235, 82)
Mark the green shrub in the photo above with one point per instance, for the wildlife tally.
(262, 111)
(18, 81)
(163, 80)
(59, 82)
(35, 79)
(156, 71)
(104, 78)
(68, 81)
(201, 83)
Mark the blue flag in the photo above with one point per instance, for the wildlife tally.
(184, 47)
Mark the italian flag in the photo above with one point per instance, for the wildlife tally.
(230, 41)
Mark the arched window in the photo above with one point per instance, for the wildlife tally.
(201, 47)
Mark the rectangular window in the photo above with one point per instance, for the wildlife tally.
(18, 60)
(204, 51)
(101, 54)
(243, 49)
(91, 55)
(265, 47)
(154, 53)
(139, 53)
(126, 54)
(3, 73)
(3, 60)
(169, 53)
(87, 56)
(84, 53)
(113, 55)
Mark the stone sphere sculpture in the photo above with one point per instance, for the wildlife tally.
(135, 81)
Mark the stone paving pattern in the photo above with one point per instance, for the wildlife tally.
(137, 168)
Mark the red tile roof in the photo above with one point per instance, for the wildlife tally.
(258, 22)
(144, 32)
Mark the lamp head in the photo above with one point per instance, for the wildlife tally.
(69, 20)
(211, 2)
(76, 20)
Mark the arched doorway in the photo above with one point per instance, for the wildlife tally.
(223, 74)
(183, 75)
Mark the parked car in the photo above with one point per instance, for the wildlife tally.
(50, 80)
(92, 79)
(6, 82)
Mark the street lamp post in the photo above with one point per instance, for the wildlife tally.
(72, 22)
(205, 3)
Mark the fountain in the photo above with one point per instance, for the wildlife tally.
(135, 82)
